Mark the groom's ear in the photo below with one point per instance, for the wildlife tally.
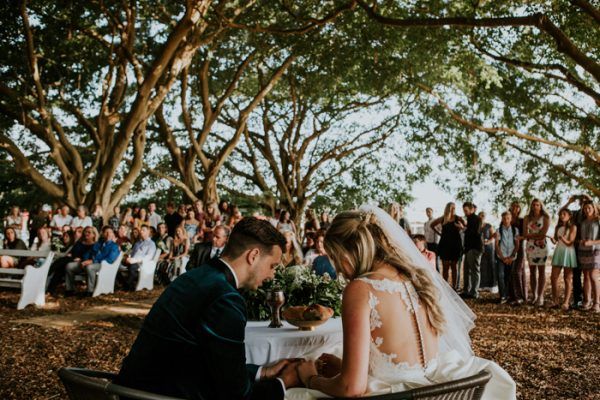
(252, 255)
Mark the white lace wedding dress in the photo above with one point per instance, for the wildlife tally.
(387, 376)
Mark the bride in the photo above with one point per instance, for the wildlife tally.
(404, 327)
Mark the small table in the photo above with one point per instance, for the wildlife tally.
(266, 345)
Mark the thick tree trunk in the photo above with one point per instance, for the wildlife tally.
(191, 180)
(209, 189)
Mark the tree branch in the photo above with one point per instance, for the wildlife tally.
(242, 119)
(24, 167)
(539, 20)
(587, 7)
(175, 182)
(529, 66)
(587, 151)
(313, 24)
(560, 168)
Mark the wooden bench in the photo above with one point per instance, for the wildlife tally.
(31, 279)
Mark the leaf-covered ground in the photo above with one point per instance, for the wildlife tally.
(550, 354)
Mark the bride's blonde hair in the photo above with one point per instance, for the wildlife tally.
(357, 238)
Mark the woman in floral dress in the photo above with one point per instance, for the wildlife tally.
(179, 249)
(536, 225)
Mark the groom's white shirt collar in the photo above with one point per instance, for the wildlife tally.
(237, 283)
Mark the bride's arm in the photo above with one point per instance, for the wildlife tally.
(352, 380)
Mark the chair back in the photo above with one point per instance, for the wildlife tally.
(105, 283)
(85, 384)
(469, 388)
(157, 253)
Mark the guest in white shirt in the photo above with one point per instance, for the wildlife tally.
(432, 237)
(16, 221)
(141, 250)
(153, 218)
(81, 219)
(61, 219)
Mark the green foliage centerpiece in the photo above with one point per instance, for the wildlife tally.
(301, 286)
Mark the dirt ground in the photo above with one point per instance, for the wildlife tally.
(549, 353)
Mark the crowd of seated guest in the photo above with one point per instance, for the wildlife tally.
(184, 232)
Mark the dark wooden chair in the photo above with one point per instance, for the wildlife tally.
(85, 384)
(469, 388)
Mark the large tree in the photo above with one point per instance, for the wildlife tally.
(80, 81)
(231, 77)
(302, 144)
(226, 82)
(516, 81)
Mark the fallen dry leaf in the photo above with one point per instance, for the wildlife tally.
(549, 353)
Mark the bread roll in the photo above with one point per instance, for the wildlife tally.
(317, 312)
(293, 313)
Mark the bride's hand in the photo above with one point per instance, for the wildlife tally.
(329, 365)
(306, 369)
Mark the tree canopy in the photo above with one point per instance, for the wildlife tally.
(272, 97)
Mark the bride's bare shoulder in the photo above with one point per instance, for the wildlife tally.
(356, 290)
(355, 301)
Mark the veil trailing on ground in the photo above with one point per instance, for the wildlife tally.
(459, 317)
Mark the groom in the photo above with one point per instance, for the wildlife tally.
(191, 344)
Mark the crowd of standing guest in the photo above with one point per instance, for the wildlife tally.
(492, 258)
(495, 259)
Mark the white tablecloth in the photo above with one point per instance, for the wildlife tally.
(265, 345)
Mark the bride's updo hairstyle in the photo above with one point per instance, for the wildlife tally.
(356, 239)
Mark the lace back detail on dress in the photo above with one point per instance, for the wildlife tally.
(406, 290)
(410, 298)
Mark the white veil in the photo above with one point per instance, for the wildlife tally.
(459, 317)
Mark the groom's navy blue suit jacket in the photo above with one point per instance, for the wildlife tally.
(191, 344)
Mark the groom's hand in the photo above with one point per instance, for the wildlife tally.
(272, 371)
(289, 375)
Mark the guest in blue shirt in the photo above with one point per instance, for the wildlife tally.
(142, 249)
(104, 250)
(71, 262)
(321, 265)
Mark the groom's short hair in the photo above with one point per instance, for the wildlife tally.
(252, 232)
